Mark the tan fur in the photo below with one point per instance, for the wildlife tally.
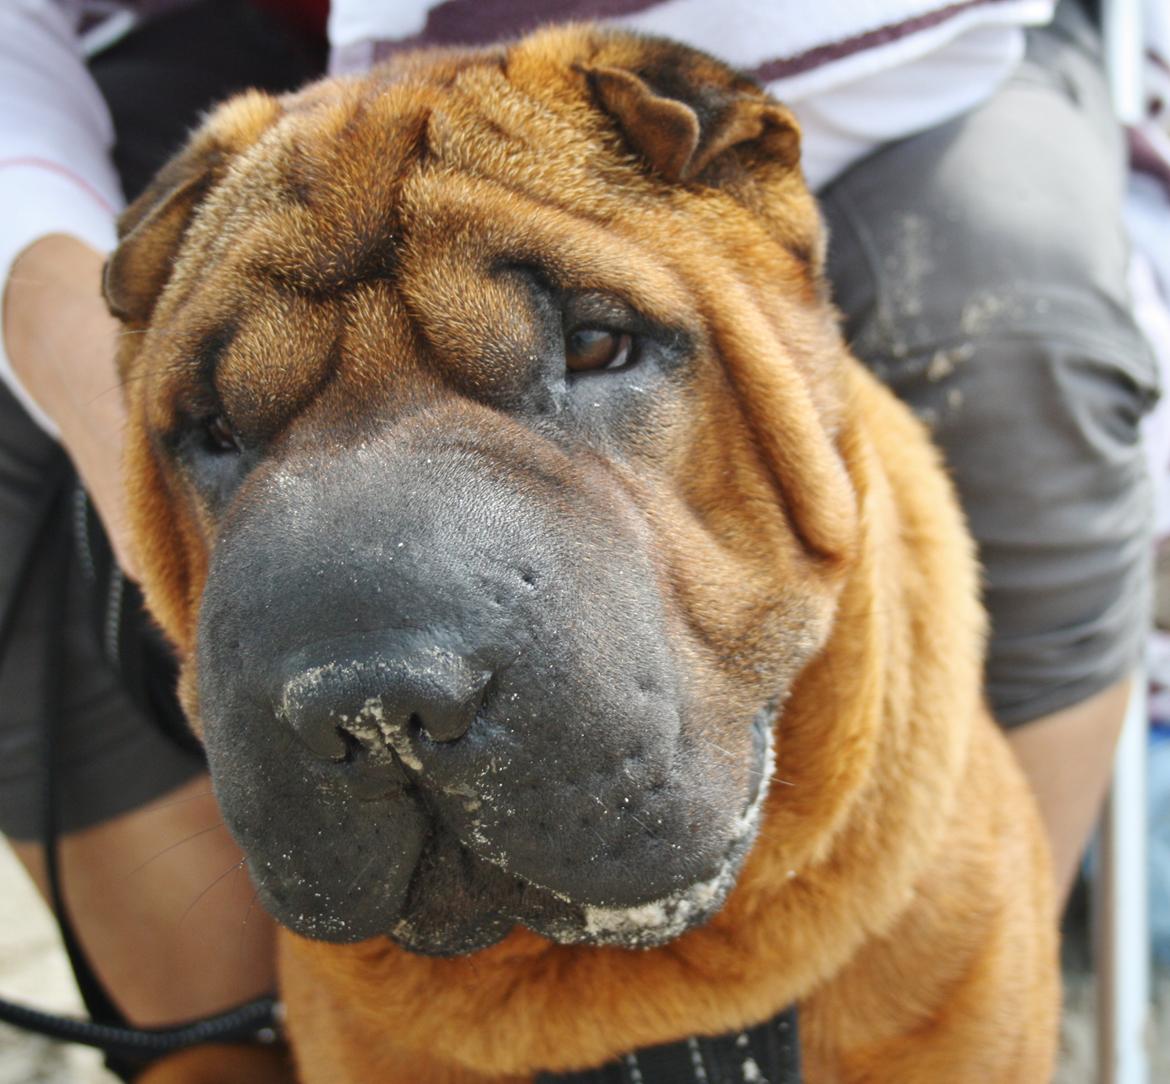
(219, 1063)
(899, 888)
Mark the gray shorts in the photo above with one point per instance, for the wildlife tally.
(981, 270)
(112, 758)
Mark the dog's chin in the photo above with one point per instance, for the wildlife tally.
(647, 926)
(440, 918)
(426, 939)
(443, 933)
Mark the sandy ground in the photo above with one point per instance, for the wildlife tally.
(1078, 1046)
(33, 968)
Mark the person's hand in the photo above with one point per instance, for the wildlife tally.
(60, 340)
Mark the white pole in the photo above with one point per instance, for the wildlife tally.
(1121, 919)
(1125, 46)
(1120, 913)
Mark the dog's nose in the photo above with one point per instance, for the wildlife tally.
(383, 703)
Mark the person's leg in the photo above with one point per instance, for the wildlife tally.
(1068, 758)
(981, 268)
(134, 810)
(157, 891)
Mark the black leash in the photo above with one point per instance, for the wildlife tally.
(97, 1001)
(769, 1053)
(256, 1021)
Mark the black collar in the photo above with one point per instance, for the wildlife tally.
(769, 1053)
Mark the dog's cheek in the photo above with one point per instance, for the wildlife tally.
(169, 549)
(188, 690)
(756, 613)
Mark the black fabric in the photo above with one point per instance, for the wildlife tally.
(161, 79)
(111, 757)
(769, 1053)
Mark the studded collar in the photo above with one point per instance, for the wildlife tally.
(769, 1053)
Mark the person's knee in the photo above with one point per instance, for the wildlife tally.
(1042, 438)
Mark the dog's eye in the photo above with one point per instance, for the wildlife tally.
(590, 349)
(221, 437)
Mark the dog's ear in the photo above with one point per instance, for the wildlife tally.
(151, 229)
(681, 117)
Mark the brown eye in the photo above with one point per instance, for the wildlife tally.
(221, 437)
(594, 348)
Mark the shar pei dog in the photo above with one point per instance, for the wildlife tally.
(586, 649)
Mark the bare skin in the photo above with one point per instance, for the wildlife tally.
(164, 908)
(1068, 759)
(60, 340)
(146, 924)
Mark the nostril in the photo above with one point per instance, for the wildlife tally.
(447, 718)
(317, 732)
(351, 746)
(440, 728)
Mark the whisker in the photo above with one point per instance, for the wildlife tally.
(623, 813)
(361, 873)
(247, 915)
(185, 839)
(715, 745)
(235, 867)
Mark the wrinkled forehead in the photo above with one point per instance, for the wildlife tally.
(401, 211)
(325, 197)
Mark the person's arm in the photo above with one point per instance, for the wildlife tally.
(60, 343)
(58, 197)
